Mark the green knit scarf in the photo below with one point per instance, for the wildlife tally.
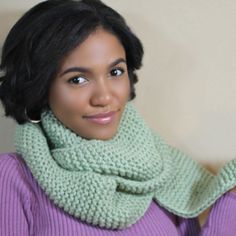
(112, 183)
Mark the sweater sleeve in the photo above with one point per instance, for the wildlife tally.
(220, 222)
(15, 212)
(222, 218)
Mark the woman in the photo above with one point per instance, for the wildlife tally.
(86, 162)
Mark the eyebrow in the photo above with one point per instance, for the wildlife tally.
(88, 70)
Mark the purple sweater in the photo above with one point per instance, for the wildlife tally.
(26, 210)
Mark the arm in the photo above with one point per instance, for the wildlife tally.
(15, 214)
(222, 217)
(202, 218)
(220, 222)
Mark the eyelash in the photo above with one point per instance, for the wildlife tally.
(71, 80)
(118, 68)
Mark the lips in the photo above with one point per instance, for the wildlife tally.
(102, 115)
(102, 118)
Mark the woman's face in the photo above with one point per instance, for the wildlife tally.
(92, 87)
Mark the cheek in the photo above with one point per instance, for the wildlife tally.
(65, 99)
(123, 89)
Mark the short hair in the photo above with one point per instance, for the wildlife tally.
(42, 37)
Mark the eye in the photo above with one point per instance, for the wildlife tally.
(117, 72)
(78, 80)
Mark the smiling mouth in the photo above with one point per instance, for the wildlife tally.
(102, 118)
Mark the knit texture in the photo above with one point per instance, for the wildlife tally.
(111, 183)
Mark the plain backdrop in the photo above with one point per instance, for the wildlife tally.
(187, 85)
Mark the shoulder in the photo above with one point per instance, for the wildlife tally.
(15, 176)
(11, 157)
(12, 163)
(17, 197)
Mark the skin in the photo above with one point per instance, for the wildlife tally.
(103, 87)
(99, 90)
(202, 218)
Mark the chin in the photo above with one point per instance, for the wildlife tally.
(104, 135)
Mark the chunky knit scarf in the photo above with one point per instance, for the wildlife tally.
(112, 183)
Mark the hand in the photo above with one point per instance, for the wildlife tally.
(202, 218)
(233, 190)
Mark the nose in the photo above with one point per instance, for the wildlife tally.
(102, 94)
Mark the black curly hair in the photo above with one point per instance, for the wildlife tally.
(42, 37)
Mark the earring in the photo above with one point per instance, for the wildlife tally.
(32, 121)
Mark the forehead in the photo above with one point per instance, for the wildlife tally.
(101, 47)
